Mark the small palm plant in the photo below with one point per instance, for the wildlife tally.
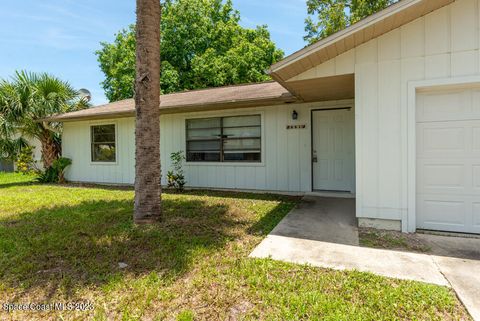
(56, 172)
(60, 164)
(176, 177)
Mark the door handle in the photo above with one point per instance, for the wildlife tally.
(314, 159)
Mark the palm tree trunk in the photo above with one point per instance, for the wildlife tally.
(50, 149)
(147, 106)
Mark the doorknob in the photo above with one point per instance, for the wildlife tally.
(314, 157)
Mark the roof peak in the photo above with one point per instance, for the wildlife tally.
(373, 26)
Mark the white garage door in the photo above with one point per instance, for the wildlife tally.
(448, 160)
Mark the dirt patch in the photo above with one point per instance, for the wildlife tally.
(392, 240)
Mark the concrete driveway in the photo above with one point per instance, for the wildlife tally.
(322, 232)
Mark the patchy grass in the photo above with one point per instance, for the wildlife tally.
(391, 240)
(64, 243)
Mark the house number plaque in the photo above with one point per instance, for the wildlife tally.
(296, 126)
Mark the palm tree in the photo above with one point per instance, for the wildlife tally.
(147, 107)
(11, 143)
(28, 98)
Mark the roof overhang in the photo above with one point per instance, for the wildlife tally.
(369, 28)
(126, 108)
(324, 88)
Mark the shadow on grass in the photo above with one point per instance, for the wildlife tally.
(267, 223)
(237, 195)
(67, 247)
(16, 184)
(193, 192)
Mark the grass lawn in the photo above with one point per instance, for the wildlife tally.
(64, 243)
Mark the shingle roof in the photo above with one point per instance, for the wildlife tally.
(259, 94)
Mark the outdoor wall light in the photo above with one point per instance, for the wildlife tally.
(294, 115)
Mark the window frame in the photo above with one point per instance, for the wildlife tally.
(222, 139)
(91, 125)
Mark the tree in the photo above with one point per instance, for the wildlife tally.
(11, 143)
(203, 45)
(28, 98)
(329, 16)
(147, 113)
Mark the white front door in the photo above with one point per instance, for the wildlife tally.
(448, 160)
(333, 149)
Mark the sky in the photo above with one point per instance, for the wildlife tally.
(61, 36)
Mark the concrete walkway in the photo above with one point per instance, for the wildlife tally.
(322, 232)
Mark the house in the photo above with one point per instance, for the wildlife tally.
(386, 111)
(7, 165)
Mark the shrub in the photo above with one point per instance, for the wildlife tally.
(25, 162)
(49, 175)
(60, 164)
(56, 172)
(175, 177)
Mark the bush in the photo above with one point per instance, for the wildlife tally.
(49, 175)
(60, 165)
(175, 177)
(56, 172)
(25, 162)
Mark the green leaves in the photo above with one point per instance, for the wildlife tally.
(329, 16)
(25, 99)
(55, 173)
(203, 45)
(176, 177)
(117, 61)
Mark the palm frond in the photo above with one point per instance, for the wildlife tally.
(28, 97)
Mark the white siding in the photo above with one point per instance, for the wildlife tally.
(444, 43)
(37, 152)
(76, 145)
(286, 154)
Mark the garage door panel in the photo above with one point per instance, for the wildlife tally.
(476, 179)
(448, 161)
(440, 138)
(455, 104)
(444, 176)
(445, 105)
(476, 214)
(476, 139)
(444, 211)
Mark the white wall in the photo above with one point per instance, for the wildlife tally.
(76, 146)
(37, 151)
(286, 154)
(443, 44)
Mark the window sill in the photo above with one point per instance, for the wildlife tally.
(104, 163)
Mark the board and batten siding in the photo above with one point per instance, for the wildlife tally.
(76, 145)
(286, 154)
(442, 44)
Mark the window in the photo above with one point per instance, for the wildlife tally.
(103, 143)
(224, 139)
